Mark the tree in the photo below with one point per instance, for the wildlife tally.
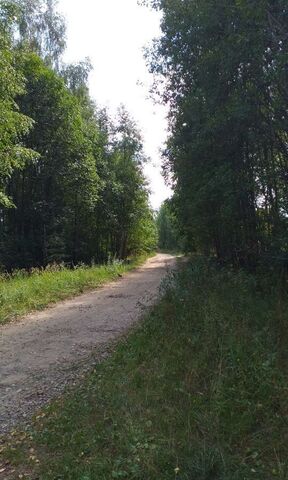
(223, 64)
(38, 27)
(168, 229)
(131, 185)
(13, 155)
(55, 193)
(83, 197)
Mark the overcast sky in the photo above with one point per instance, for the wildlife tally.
(112, 33)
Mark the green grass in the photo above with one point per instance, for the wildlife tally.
(21, 293)
(198, 392)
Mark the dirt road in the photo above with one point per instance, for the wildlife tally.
(44, 352)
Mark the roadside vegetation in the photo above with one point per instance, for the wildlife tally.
(198, 391)
(23, 292)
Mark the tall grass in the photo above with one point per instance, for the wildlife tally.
(198, 392)
(23, 292)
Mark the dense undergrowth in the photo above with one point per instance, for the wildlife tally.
(198, 392)
(22, 292)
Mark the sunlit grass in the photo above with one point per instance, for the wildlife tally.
(22, 293)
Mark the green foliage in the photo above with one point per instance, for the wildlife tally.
(144, 236)
(62, 185)
(225, 82)
(13, 155)
(169, 237)
(84, 197)
(38, 27)
(198, 392)
(130, 193)
(123, 218)
(22, 292)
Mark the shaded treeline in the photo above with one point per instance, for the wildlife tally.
(71, 181)
(169, 231)
(223, 65)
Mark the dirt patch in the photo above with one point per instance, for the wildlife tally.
(44, 352)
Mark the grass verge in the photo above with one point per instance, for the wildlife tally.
(198, 392)
(22, 293)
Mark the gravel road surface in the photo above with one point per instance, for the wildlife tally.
(44, 352)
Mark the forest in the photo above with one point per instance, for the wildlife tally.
(72, 187)
(223, 69)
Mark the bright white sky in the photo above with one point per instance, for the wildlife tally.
(112, 33)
